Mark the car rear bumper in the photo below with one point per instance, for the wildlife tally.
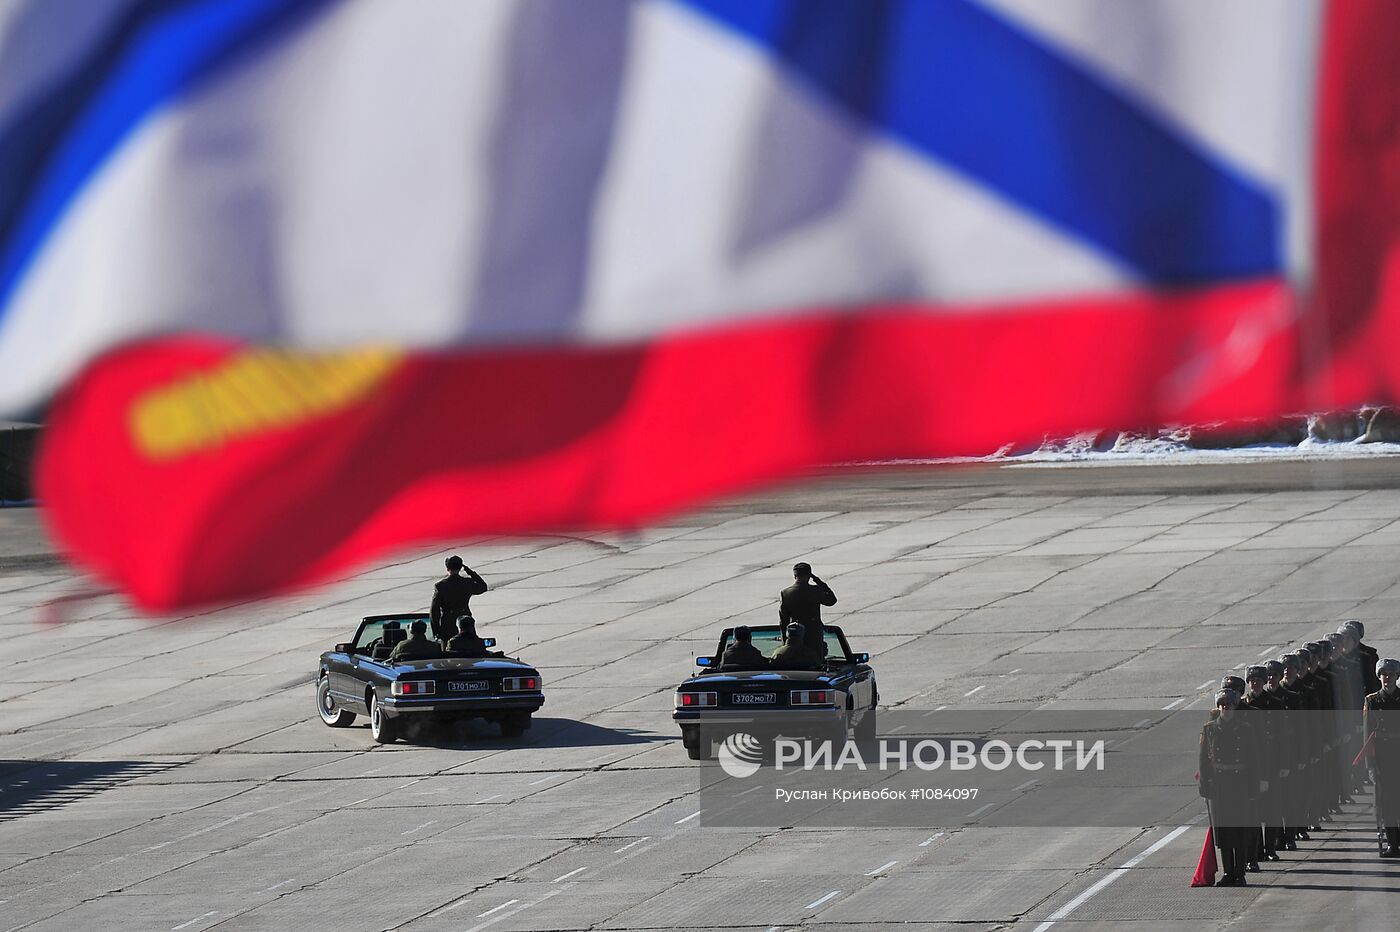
(465, 705)
(785, 716)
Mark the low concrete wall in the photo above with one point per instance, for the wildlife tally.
(17, 445)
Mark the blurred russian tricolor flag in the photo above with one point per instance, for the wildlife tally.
(300, 281)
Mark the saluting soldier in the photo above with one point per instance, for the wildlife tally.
(1382, 727)
(452, 596)
(801, 604)
(1226, 749)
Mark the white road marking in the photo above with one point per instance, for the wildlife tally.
(881, 869)
(979, 810)
(930, 840)
(753, 789)
(358, 801)
(489, 798)
(975, 689)
(276, 885)
(497, 909)
(1027, 785)
(417, 827)
(543, 780)
(1174, 704)
(632, 844)
(692, 815)
(1093, 891)
(813, 905)
(1238, 666)
(576, 870)
(1014, 672)
(600, 757)
(896, 728)
(519, 909)
(185, 925)
(1206, 683)
(1267, 650)
(940, 708)
(1146, 721)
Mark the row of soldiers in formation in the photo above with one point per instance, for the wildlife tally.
(1270, 779)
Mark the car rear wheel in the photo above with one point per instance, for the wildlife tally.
(325, 705)
(382, 726)
(514, 724)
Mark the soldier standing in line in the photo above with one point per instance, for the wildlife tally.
(1382, 727)
(1273, 746)
(1367, 656)
(452, 596)
(1283, 676)
(1259, 724)
(1327, 776)
(1226, 749)
(1349, 699)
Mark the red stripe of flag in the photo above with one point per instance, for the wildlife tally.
(459, 445)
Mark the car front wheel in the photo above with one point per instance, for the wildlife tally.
(382, 726)
(325, 705)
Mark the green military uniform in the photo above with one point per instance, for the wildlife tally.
(1229, 781)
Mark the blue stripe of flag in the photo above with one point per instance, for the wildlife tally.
(965, 87)
(153, 53)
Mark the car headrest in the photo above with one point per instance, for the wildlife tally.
(394, 635)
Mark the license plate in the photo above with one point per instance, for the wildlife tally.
(755, 698)
(467, 686)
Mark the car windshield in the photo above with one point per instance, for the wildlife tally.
(373, 630)
(768, 639)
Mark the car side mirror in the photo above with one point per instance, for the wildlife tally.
(342, 648)
(489, 642)
(704, 661)
(862, 658)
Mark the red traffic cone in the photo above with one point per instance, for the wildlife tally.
(1205, 868)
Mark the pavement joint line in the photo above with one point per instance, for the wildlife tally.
(497, 909)
(881, 868)
(1173, 704)
(632, 844)
(576, 870)
(1146, 721)
(693, 815)
(184, 925)
(1065, 910)
(815, 903)
(930, 840)
(975, 689)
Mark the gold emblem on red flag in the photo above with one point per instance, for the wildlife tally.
(251, 392)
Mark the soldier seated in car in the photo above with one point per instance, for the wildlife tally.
(794, 654)
(417, 646)
(741, 654)
(467, 643)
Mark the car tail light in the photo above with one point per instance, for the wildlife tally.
(697, 700)
(413, 688)
(515, 684)
(811, 697)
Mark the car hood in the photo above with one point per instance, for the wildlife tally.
(462, 663)
(759, 677)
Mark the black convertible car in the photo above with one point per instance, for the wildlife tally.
(833, 702)
(357, 678)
